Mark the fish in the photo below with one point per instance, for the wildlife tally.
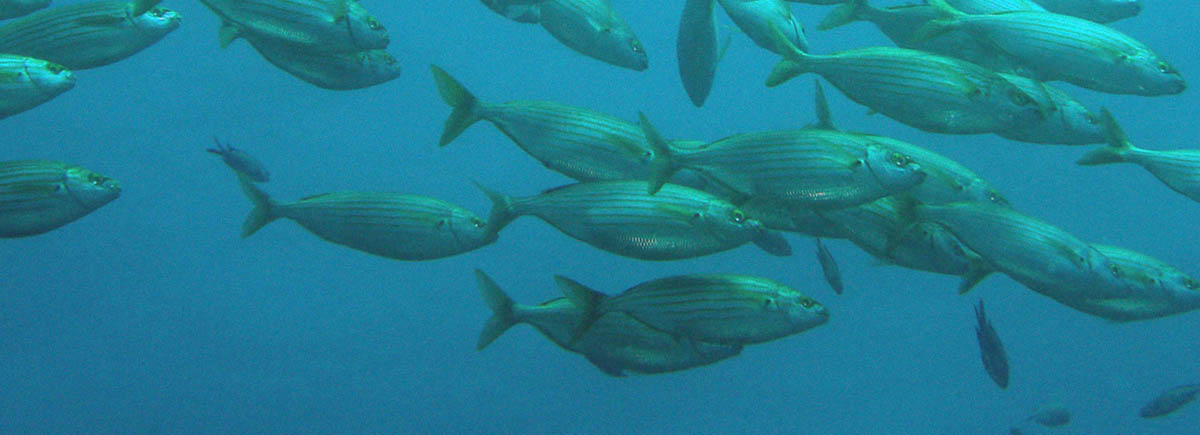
(722, 309)
(1100, 11)
(1064, 48)
(580, 143)
(929, 92)
(994, 6)
(593, 28)
(829, 268)
(621, 218)
(782, 217)
(391, 225)
(37, 196)
(696, 49)
(757, 18)
(1170, 401)
(327, 26)
(88, 35)
(18, 8)
(1067, 121)
(1051, 415)
(521, 12)
(341, 71)
(995, 360)
(615, 343)
(1040, 256)
(241, 162)
(1158, 289)
(803, 168)
(1178, 169)
(26, 83)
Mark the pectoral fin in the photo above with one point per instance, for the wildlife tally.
(226, 34)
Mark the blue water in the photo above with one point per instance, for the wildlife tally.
(152, 315)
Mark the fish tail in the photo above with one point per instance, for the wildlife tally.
(583, 298)
(794, 62)
(263, 212)
(974, 275)
(844, 14)
(773, 243)
(938, 27)
(821, 105)
(502, 210)
(502, 310)
(1118, 147)
(661, 168)
(465, 106)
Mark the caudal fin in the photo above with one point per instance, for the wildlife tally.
(585, 299)
(794, 62)
(947, 22)
(844, 14)
(1118, 144)
(263, 212)
(773, 243)
(502, 210)
(465, 106)
(660, 158)
(502, 310)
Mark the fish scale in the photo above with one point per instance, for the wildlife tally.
(37, 196)
(62, 34)
(308, 23)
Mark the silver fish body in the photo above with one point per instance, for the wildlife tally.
(1160, 289)
(339, 71)
(26, 83)
(1100, 11)
(593, 28)
(758, 18)
(87, 35)
(398, 226)
(622, 218)
(1067, 121)
(37, 196)
(1170, 401)
(696, 49)
(946, 181)
(994, 6)
(516, 11)
(17, 8)
(319, 25)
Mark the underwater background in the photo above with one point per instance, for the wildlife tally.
(153, 315)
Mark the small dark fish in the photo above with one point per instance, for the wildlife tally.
(830, 268)
(995, 360)
(1170, 401)
(1051, 415)
(241, 162)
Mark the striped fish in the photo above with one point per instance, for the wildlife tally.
(17, 8)
(615, 343)
(392, 225)
(1042, 257)
(26, 83)
(88, 35)
(757, 17)
(37, 196)
(1160, 289)
(930, 92)
(241, 162)
(994, 6)
(620, 217)
(319, 25)
(335, 71)
(593, 28)
(582, 144)
(1064, 48)
(1178, 169)
(809, 168)
(781, 217)
(725, 309)
(1100, 11)
(696, 49)
(1067, 121)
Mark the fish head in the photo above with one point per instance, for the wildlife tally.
(381, 64)
(1154, 75)
(978, 190)
(1017, 107)
(895, 172)
(469, 230)
(622, 48)
(91, 189)
(1112, 10)
(1083, 125)
(367, 32)
(158, 21)
(726, 222)
(49, 77)
(802, 311)
(934, 245)
(1180, 284)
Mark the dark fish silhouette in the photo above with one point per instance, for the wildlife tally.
(241, 162)
(995, 361)
(1170, 401)
(830, 268)
(1051, 415)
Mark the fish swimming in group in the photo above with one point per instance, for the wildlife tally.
(241, 162)
(1067, 121)
(26, 83)
(696, 49)
(1170, 401)
(88, 35)
(995, 360)
(1100, 11)
(593, 28)
(757, 18)
(1051, 415)
(37, 196)
(339, 71)
(1178, 169)
(317, 25)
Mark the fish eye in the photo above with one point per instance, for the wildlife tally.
(899, 160)
(1091, 119)
(96, 179)
(54, 69)
(158, 12)
(636, 46)
(1116, 270)
(1020, 98)
(1165, 68)
(440, 224)
(373, 24)
(1191, 284)
(477, 222)
(738, 216)
(807, 303)
(769, 303)
(857, 164)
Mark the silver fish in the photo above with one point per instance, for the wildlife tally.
(521, 12)
(724, 309)
(319, 25)
(994, 6)
(1100, 11)
(593, 28)
(335, 71)
(991, 350)
(1178, 169)
(88, 35)
(1067, 121)
(37, 196)
(26, 83)
(1159, 289)
(240, 162)
(622, 218)
(757, 18)
(1074, 50)
(696, 49)
(615, 343)
(392, 225)
(17, 8)
(829, 268)
(1170, 401)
